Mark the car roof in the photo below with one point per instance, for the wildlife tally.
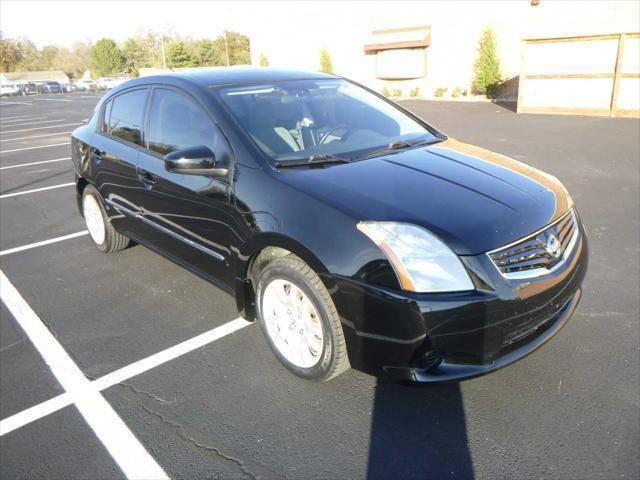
(214, 76)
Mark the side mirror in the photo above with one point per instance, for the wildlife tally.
(198, 160)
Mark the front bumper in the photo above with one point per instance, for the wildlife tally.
(467, 333)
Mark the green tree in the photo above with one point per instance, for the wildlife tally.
(235, 45)
(10, 54)
(325, 61)
(106, 58)
(264, 61)
(208, 54)
(48, 57)
(487, 67)
(178, 56)
(138, 52)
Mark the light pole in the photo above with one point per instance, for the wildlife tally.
(164, 58)
(226, 47)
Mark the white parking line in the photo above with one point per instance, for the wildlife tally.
(41, 128)
(55, 99)
(35, 163)
(13, 122)
(15, 194)
(31, 123)
(35, 136)
(120, 442)
(16, 103)
(3, 117)
(33, 148)
(63, 400)
(42, 243)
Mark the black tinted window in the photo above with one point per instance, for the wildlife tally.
(126, 117)
(177, 122)
(104, 128)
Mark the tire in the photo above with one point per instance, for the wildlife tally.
(293, 319)
(101, 232)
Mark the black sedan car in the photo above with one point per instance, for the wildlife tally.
(355, 233)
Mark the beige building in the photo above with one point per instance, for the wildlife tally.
(36, 76)
(420, 47)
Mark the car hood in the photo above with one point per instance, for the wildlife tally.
(474, 199)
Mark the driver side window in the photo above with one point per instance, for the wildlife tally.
(177, 122)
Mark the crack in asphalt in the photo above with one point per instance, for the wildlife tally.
(181, 433)
(148, 394)
(12, 344)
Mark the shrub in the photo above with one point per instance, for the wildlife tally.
(487, 66)
(264, 61)
(326, 65)
(396, 92)
(440, 91)
(414, 92)
(458, 92)
(385, 91)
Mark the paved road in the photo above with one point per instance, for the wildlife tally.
(229, 410)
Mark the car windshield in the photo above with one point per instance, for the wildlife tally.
(300, 119)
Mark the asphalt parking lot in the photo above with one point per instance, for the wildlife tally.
(156, 375)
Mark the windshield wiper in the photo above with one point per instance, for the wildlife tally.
(320, 159)
(396, 145)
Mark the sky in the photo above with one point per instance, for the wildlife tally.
(63, 22)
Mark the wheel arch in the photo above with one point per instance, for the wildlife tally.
(257, 253)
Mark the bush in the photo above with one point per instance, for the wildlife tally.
(458, 92)
(326, 65)
(440, 91)
(487, 66)
(385, 91)
(264, 61)
(414, 92)
(396, 92)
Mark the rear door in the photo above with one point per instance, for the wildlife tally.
(114, 157)
(191, 213)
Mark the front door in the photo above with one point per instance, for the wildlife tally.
(191, 213)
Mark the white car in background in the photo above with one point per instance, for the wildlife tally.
(107, 83)
(8, 90)
(87, 85)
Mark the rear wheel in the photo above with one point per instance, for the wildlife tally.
(104, 236)
(299, 320)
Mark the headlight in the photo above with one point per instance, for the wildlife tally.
(422, 262)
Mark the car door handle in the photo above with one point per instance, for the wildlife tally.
(98, 156)
(147, 180)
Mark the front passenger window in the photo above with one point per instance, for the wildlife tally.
(127, 113)
(177, 122)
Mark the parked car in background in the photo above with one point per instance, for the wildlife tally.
(28, 88)
(69, 87)
(108, 83)
(354, 232)
(87, 85)
(51, 87)
(8, 90)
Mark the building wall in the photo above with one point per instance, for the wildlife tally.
(293, 36)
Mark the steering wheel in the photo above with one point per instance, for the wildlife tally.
(337, 127)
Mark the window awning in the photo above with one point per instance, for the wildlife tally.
(395, 38)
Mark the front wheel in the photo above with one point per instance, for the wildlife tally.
(300, 321)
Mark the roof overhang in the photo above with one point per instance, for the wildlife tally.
(397, 38)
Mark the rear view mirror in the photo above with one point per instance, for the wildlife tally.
(198, 160)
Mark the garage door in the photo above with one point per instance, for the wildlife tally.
(592, 75)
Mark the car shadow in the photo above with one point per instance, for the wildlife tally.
(418, 431)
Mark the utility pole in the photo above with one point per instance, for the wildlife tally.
(164, 58)
(226, 47)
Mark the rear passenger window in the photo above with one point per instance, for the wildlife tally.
(106, 113)
(125, 121)
(177, 122)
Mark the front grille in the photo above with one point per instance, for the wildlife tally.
(538, 253)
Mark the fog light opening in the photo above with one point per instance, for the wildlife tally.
(429, 360)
